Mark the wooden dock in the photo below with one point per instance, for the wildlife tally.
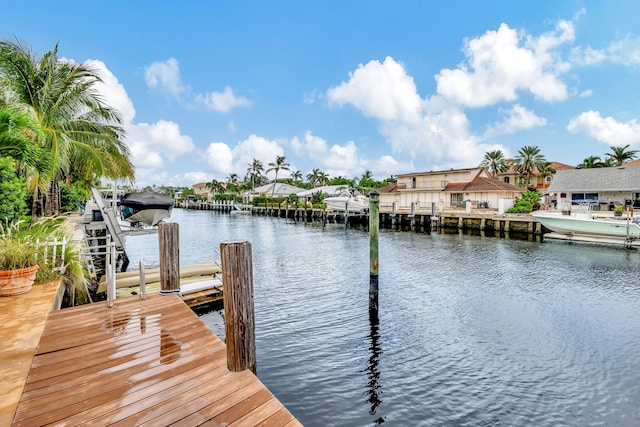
(142, 362)
(22, 320)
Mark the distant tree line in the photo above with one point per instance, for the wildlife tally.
(256, 176)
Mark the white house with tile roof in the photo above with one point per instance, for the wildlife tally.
(447, 189)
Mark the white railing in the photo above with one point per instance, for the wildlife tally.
(52, 255)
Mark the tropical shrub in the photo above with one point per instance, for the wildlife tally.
(72, 197)
(23, 245)
(532, 196)
(259, 201)
(521, 206)
(528, 201)
(12, 192)
(18, 248)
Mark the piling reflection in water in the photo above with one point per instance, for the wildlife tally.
(374, 388)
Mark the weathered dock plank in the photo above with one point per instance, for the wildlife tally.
(142, 362)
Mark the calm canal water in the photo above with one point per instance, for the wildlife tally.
(471, 331)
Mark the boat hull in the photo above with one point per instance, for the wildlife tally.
(338, 204)
(145, 207)
(578, 225)
(149, 216)
(349, 200)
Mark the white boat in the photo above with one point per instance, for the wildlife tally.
(145, 207)
(350, 200)
(586, 224)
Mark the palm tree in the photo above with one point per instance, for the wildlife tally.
(527, 161)
(254, 172)
(232, 183)
(591, 162)
(215, 186)
(82, 135)
(18, 136)
(279, 165)
(296, 176)
(322, 177)
(545, 170)
(314, 176)
(621, 155)
(495, 162)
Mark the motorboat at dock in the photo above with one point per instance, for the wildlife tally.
(145, 207)
(585, 224)
(349, 200)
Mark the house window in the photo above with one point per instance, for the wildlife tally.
(506, 179)
(413, 182)
(584, 196)
(548, 179)
(456, 199)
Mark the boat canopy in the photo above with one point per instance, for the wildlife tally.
(146, 200)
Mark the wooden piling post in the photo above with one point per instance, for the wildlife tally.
(169, 247)
(237, 282)
(374, 219)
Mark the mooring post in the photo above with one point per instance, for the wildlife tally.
(169, 247)
(374, 220)
(239, 320)
(143, 281)
(110, 268)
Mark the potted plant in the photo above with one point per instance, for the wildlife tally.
(618, 210)
(18, 259)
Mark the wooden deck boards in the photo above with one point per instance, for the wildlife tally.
(151, 362)
(22, 320)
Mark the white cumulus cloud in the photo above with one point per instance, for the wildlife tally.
(383, 91)
(501, 63)
(606, 129)
(150, 145)
(515, 119)
(113, 92)
(225, 160)
(165, 76)
(222, 102)
(162, 136)
(624, 51)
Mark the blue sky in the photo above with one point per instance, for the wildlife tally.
(350, 86)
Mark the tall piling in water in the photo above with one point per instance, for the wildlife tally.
(239, 318)
(374, 225)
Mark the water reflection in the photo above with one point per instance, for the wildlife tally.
(374, 387)
(169, 347)
(129, 326)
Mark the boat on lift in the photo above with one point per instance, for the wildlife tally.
(147, 208)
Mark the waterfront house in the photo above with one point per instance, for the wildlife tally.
(449, 189)
(540, 182)
(277, 189)
(615, 185)
(202, 191)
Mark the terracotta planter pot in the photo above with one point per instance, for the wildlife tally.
(16, 282)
